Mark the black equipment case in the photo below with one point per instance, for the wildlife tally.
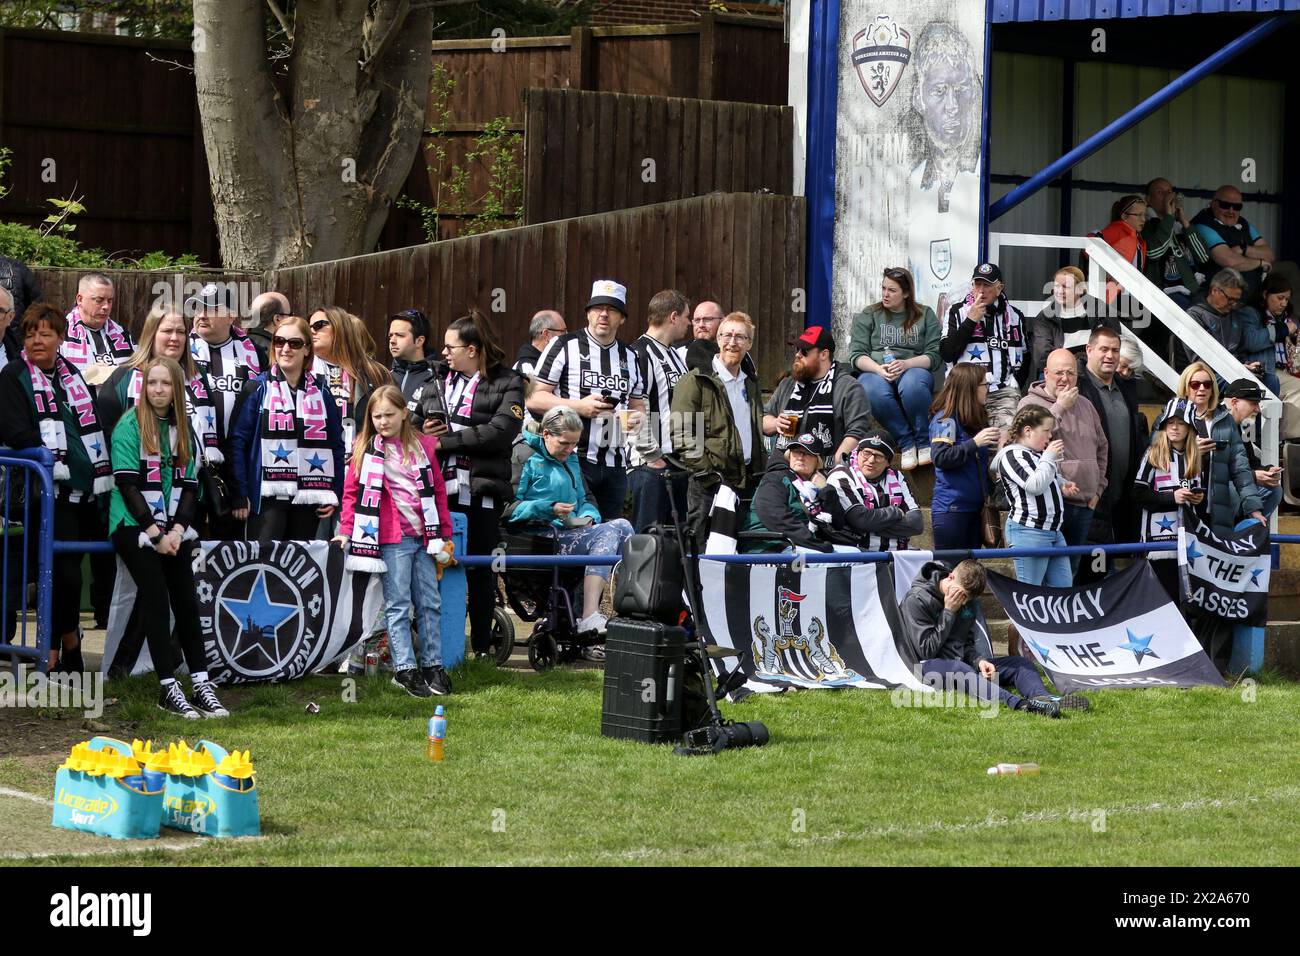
(644, 665)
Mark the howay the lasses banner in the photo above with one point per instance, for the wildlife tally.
(1226, 575)
(268, 612)
(1120, 632)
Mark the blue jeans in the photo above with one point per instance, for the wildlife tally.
(1017, 671)
(1055, 571)
(957, 530)
(1272, 497)
(650, 497)
(595, 539)
(1078, 519)
(410, 577)
(608, 488)
(902, 407)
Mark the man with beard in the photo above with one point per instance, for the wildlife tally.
(820, 397)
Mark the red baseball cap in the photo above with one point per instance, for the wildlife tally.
(815, 337)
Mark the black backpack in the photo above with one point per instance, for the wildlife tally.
(650, 580)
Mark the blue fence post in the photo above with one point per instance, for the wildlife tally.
(454, 590)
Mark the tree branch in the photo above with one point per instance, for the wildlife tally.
(378, 51)
(279, 15)
(172, 63)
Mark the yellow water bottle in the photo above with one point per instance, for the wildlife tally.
(437, 733)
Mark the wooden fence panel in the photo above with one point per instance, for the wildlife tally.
(602, 140)
(744, 248)
(96, 117)
(135, 293)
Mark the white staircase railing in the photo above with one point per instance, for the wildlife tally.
(1104, 261)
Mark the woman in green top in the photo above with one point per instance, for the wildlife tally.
(895, 345)
(150, 516)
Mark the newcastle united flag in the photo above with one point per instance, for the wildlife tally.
(1121, 632)
(1227, 575)
(809, 626)
(269, 612)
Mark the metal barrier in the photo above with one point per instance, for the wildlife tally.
(501, 561)
(16, 527)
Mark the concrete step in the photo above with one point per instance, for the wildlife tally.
(1282, 646)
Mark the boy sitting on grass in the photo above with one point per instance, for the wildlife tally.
(939, 618)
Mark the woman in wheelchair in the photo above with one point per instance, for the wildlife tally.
(786, 502)
(551, 493)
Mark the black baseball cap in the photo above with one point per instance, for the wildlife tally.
(808, 442)
(986, 272)
(1245, 388)
(815, 337)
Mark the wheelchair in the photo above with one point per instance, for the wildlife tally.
(548, 598)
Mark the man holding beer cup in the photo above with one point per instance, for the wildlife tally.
(820, 397)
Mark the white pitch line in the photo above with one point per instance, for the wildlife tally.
(24, 795)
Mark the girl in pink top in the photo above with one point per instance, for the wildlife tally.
(395, 523)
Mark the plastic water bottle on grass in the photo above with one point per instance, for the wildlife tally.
(437, 734)
(1014, 770)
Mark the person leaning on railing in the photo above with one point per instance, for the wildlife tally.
(45, 401)
(963, 442)
(1278, 317)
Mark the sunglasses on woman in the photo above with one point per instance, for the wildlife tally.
(1199, 384)
(294, 344)
(319, 324)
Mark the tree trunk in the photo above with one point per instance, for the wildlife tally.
(309, 175)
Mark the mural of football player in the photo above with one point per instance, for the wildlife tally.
(943, 217)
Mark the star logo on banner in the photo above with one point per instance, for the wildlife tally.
(1140, 646)
(368, 529)
(211, 419)
(258, 608)
(1165, 523)
(97, 448)
(976, 353)
(317, 462)
(158, 505)
(1254, 577)
(1192, 553)
(281, 453)
(1040, 650)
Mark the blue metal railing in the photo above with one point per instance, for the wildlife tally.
(38, 462)
(506, 560)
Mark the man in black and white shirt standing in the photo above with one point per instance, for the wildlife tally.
(985, 329)
(669, 319)
(596, 375)
(226, 358)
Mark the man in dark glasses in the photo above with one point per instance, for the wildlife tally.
(1233, 243)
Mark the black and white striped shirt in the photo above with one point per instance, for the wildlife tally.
(997, 342)
(577, 366)
(890, 490)
(1033, 487)
(226, 369)
(660, 367)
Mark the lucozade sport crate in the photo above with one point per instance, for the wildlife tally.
(88, 797)
(210, 803)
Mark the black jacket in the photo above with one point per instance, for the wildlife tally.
(411, 378)
(1119, 524)
(778, 507)
(495, 420)
(528, 354)
(934, 632)
(22, 285)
